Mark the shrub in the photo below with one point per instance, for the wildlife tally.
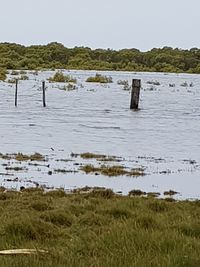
(59, 77)
(99, 79)
(23, 78)
(11, 80)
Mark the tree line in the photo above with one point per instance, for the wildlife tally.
(57, 56)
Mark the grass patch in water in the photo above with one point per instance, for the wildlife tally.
(100, 157)
(115, 170)
(23, 157)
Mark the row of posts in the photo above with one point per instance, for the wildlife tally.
(43, 93)
(135, 94)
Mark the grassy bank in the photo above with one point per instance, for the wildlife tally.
(98, 229)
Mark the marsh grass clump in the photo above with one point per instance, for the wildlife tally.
(56, 193)
(91, 219)
(5, 156)
(99, 78)
(23, 78)
(88, 155)
(89, 168)
(184, 84)
(153, 83)
(29, 229)
(14, 73)
(59, 218)
(59, 77)
(40, 206)
(100, 157)
(12, 81)
(122, 82)
(170, 193)
(115, 170)
(147, 222)
(153, 194)
(136, 192)
(102, 193)
(192, 230)
(34, 157)
(119, 213)
(125, 84)
(158, 206)
(16, 168)
(23, 72)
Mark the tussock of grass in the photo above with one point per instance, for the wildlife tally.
(40, 206)
(93, 229)
(89, 155)
(23, 157)
(15, 168)
(136, 192)
(59, 218)
(34, 157)
(170, 193)
(100, 157)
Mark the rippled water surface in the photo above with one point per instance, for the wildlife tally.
(163, 136)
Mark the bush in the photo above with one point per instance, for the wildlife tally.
(99, 79)
(59, 77)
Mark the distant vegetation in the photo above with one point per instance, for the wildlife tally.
(2, 74)
(57, 56)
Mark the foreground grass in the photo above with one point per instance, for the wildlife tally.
(98, 229)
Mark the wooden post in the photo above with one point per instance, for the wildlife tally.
(135, 94)
(44, 97)
(16, 91)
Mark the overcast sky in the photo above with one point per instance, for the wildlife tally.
(115, 24)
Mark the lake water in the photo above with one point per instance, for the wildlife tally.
(163, 136)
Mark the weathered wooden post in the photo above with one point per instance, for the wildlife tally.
(135, 94)
(16, 91)
(44, 97)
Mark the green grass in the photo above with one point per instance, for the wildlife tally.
(98, 229)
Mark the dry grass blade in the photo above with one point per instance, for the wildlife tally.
(22, 251)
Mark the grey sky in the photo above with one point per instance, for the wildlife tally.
(116, 24)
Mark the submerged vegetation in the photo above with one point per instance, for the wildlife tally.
(98, 228)
(55, 55)
(23, 157)
(115, 170)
